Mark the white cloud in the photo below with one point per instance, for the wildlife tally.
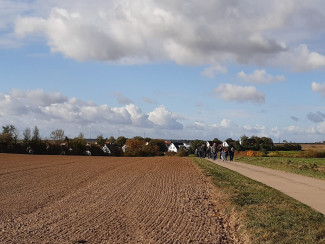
(317, 87)
(138, 117)
(210, 33)
(22, 108)
(210, 71)
(301, 59)
(227, 128)
(231, 92)
(260, 76)
(165, 119)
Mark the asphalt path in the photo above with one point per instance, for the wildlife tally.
(307, 190)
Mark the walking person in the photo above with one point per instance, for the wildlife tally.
(231, 153)
(202, 151)
(220, 150)
(223, 154)
(214, 151)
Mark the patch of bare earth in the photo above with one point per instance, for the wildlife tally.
(63, 199)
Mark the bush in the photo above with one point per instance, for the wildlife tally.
(312, 154)
(182, 153)
(139, 148)
(250, 153)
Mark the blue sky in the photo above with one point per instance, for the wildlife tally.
(194, 70)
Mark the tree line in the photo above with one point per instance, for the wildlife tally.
(59, 143)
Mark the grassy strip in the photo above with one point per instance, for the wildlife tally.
(270, 216)
(312, 167)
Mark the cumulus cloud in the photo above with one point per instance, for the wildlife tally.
(260, 76)
(301, 59)
(210, 71)
(227, 128)
(165, 119)
(317, 87)
(231, 92)
(51, 109)
(209, 32)
(193, 33)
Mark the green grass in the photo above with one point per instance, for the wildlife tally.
(269, 215)
(312, 167)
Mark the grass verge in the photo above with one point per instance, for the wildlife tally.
(312, 167)
(269, 215)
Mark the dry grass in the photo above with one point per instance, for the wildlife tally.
(313, 146)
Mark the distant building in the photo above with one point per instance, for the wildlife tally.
(175, 146)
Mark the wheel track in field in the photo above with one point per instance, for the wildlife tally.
(140, 200)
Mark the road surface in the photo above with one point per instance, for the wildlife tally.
(305, 189)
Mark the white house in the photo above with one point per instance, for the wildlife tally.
(175, 146)
(106, 149)
(225, 144)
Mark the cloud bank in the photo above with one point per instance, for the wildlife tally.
(51, 110)
(195, 33)
(23, 108)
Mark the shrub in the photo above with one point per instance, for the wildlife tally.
(312, 154)
(182, 153)
(251, 153)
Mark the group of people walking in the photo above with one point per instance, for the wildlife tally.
(212, 152)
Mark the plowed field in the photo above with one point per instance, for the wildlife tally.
(67, 199)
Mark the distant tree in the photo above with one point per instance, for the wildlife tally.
(37, 145)
(138, 138)
(11, 131)
(196, 144)
(112, 140)
(27, 136)
(8, 138)
(36, 135)
(157, 146)
(78, 145)
(135, 147)
(100, 140)
(266, 144)
(229, 141)
(120, 141)
(57, 135)
(217, 141)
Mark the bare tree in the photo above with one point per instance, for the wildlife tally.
(57, 135)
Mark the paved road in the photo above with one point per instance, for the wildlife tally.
(305, 189)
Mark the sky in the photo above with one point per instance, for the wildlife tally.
(164, 69)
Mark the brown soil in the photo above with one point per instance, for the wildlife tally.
(68, 199)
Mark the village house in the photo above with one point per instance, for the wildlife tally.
(176, 146)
